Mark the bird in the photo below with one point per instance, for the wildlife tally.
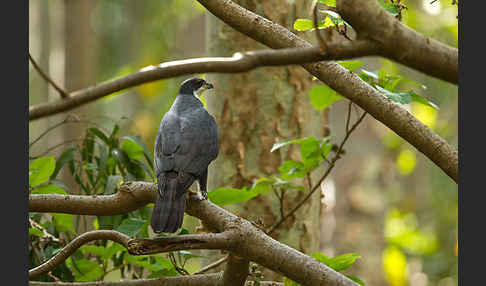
(185, 144)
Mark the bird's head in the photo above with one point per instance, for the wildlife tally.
(194, 86)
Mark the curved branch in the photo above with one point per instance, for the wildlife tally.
(130, 196)
(239, 62)
(76, 243)
(213, 279)
(244, 239)
(348, 84)
(398, 42)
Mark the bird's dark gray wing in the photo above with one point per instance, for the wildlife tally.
(187, 142)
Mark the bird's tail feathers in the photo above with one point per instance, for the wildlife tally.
(169, 207)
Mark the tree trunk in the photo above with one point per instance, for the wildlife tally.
(80, 71)
(254, 110)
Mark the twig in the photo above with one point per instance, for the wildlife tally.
(348, 118)
(330, 167)
(70, 118)
(239, 62)
(180, 270)
(47, 78)
(54, 147)
(36, 255)
(320, 40)
(212, 265)
(76, 243)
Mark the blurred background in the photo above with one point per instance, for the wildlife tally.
(384, 200)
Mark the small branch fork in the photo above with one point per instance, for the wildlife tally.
(331, 163)
(47, 78)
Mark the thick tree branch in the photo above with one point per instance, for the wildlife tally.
(398, 42)
(213, 279)
(130, 196)
(180, 242)
(239, 62)
(76, 243)
(236, 271)
(247, 241)
(186, 280)
(348, 84)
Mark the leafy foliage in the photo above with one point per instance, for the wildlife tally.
(98, 165)
(338, 263)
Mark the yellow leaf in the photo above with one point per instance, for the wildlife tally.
(394, 266)
(426, 114)
(406, 162)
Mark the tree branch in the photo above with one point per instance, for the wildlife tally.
(212, 265)
(247, 241)
(213, 279)
(180, 242)
(236, 271)
(186, 280)
(76, 243)
(348, 84)
(332, 163)
(398, 42)
(47, 78)
(239, 62)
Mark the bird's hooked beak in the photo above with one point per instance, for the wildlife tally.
(203, 88)
(207, 85)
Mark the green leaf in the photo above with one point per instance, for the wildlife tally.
(131, 226)
(112, 250)
(90, 166)
(66, 156)
(310, 148)
(406, 97)
(351, 65)
(419, 99)
(390, 7)
(163, 262)
(369, 74)
(337, 263)
(40, 170)
(188, 255)
(292, 169)
(48, 189)
(111, 184)
(282, 144)
(99, 134)
(85, 270)
(355, 279)
(35, 231)
(121, 157)
(142, 261)
(226, 196)
(63, 222)
(138, 140)
(132, 149)
(289, 282)
(328, 2)
(322, 96)
(303, 24)
(94, 249)
(400, 97)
